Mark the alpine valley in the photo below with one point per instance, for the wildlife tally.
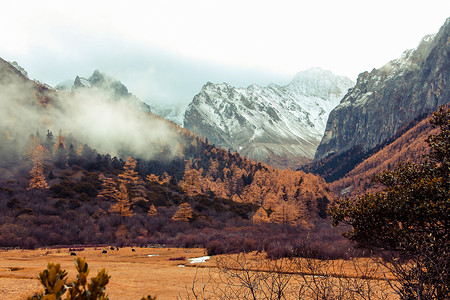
(88, 162)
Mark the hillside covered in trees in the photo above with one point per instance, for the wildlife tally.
(87, 168)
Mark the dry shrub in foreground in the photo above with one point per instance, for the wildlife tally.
(54, 280)
(252, 276)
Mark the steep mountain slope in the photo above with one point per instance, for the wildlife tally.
(388, 99)
(172, 113)
(280, 125)
(409, 146)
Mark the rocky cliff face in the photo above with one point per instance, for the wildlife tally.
(280, 125)
(388, 99)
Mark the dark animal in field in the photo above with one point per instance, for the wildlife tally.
(111, 248)
(105, 251)
(73, 254)
(133, 249)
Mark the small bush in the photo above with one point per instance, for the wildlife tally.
(178, 258)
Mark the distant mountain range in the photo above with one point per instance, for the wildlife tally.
(288, 126)
(279, 125)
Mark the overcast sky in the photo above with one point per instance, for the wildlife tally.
(164, 51)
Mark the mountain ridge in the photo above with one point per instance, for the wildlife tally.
(275, 124)
(388, 98)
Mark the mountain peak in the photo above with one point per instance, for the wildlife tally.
(391, 97)
(276, 124)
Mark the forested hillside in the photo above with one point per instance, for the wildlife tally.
(124, 176)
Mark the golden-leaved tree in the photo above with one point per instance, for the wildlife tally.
(133, 184)
(109, 190)
(184, 213)
(123, 205)
(37, 181)
(152, 211)
(192, 180)
(260, 216)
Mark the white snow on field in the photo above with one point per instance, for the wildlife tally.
(198, 260)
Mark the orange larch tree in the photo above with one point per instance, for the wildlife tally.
(37, 181)
(123, 205)
(184, 213)
(260, 216)
(192, 180)
(152, 211)
(109, 189)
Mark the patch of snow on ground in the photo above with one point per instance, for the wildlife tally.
(198, 260)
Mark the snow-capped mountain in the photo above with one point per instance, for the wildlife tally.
(280, 125)
(389, 98)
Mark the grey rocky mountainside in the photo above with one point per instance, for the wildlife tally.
(389, 98)
(279, 125)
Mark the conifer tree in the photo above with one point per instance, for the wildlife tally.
(129, 176)
(37, 181)
(165, 178)
(138, 193)
(134, 185)
(32, 145)
(152, 211)
(260, 216)
(72, 156)
(192, 180)
(109, 190)
(49, 141)
(184, 213)
(123, 205)
(152, 178)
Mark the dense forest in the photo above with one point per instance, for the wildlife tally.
(61, 192)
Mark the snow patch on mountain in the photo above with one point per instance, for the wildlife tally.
(273, 123)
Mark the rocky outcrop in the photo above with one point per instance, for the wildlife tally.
(387, 99)
(280, 125)
(102, 83)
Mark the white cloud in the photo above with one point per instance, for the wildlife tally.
(279, 37)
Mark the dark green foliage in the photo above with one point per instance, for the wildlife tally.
(410, 217)
(322, 205)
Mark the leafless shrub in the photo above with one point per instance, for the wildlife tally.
(253, 276)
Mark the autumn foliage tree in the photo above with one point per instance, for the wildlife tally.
(184, 213)
(409, 218)
(152, 211)
(123, 205)
(38, 181)
(109, 190)
(133, 184)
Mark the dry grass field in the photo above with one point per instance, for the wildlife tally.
(145, 271)
(133, 274)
